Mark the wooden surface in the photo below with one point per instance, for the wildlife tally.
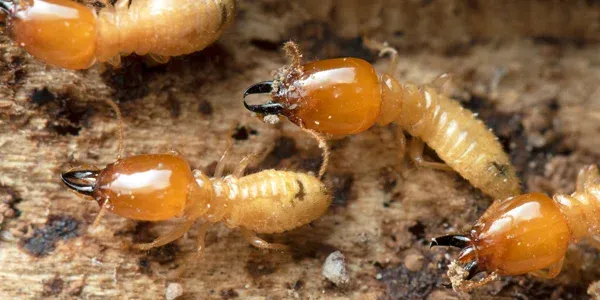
(530, 69)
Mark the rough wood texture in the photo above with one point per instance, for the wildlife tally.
(529, 68)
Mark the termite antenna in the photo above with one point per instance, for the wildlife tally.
(100, 214)
(82, 181)
(293, 52)
(323, 145)
(455, 240)
(121, 125)
(269, 108)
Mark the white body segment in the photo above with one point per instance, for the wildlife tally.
(460, 139)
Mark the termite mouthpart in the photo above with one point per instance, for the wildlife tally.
(82, 181)
(473, 269)
(455, 240)
(269, 108)
(6, 6)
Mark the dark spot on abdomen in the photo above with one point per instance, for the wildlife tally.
(502, 169)
(301, 192)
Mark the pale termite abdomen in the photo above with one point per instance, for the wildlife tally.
(460, 139)
(274, 201)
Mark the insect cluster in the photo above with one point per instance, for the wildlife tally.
(70, 35)
(519, 233)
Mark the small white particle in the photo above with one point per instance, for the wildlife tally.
(335, 269)
(271, 119)
(173, 291)
(96, 262)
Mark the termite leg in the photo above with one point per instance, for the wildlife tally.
(415, 151)
(383, 49)
(401, 138)
(115, 61)
(221, 164)
(201, 237)
(443, 84)
(580, 185)
(393, 66)
(594, 240)
(257, 242)
(241, 167)
(552, 271)
(175, 233)
(122, 5)
(161, 59)
(586, 177)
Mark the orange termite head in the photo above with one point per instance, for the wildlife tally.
(58, 32)
(515, 236)
(335, 96)
(150, 187)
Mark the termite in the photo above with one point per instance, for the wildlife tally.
(70, 35)
(345, 96)
(527, 233)
(158, 187)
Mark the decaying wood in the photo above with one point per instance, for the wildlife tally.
(529, 68)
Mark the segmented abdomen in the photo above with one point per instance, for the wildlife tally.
(460, 139)
(275, 201)
(163, 27)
